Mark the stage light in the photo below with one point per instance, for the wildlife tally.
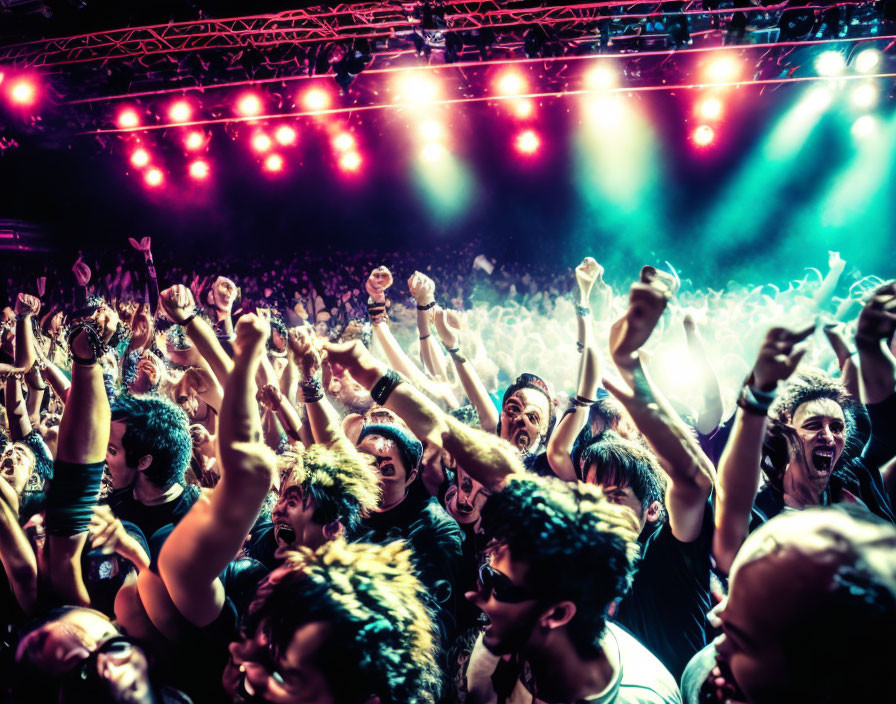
(830, 63)
(350, 161)
(23, 92)
(605, 110)
(432, 130)
(249, 105)
(274, 163)
(181, 111)
(864, 95)
(434, 151)
(703, 136)
(865, 126)
(523, 108)
(527, 142)
(343, 141)
(154, 177)
(317, 99)
(867, 60)
(511, 83)
(723, 69)
(199, 170)
(128, 118)
(285, 135)
(261, 142)
(601, 78)
(194, 141)
(818, 98)
(710, 108)
(417, 88)
(140, 158)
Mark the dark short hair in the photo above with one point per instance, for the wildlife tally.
(381, 638)
(624, 463)
(409, 447)
(577, 545)
(155, 426)
(535, 382)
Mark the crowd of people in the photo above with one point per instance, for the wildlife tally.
(304, 481)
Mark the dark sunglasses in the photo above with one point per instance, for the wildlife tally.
(498, 584)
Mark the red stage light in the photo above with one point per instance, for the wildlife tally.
(261, 142)
(317, 99)
(343, 141)
(23, 92)
(274, 163)
(181, 111)
(154, 177)
(511, 83)
(523, 108)
(128, 118)
(249, 105)
(199, 169)
(350, 161)
(703, 136)
(527, 142)
(140, 158)
(285, 135)
(194, 141)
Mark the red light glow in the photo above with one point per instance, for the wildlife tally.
(317, 99)
(128, 118)
(274, 163)
(351, 161)
(249, 105)
(199, 170)
(703, 136)
(194, 141)
(154, 177)
(285, 135)
(181, 111)
(23, 92)
(140, 158)
(527, 142)
(261, 142)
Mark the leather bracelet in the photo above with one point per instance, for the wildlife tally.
(385, 386)
(429, 305)
(582, 402)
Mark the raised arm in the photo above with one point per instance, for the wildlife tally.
(485, 457)
(144, 246)
(16, 413)
(690, 471)
(16, 555)
(569, 427)
(877, 325)
(211, 533)
(739, 466)
(423, 288)
(710, 414)
(80, 457)
(26, 308)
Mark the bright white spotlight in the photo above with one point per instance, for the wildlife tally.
(127, 119)
(181, 111)
(343, 142)
(432, 130)
(285, 135)
(417, 88)
(723, 69)
(527, 142)
(601, 78)
(606, 110)
(154, 177)
(140, 158)
(274, 163)
(511, 83)
(818, 98)
(523, 108)
(830, 63)
(710, 108)
(864, 96)
(23, 92)
(434, 151)
(865, 126)
(316, 99)
(199, 170)
(703, 136)
(868, 60)
(195, 140)
(249, 105)
(351, 161)
(261, 142)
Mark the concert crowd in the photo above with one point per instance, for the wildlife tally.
(426, 478)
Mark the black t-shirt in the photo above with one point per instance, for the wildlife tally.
(667, 605)
(261, 545)
(150, 518)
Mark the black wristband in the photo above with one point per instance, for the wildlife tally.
(189, 319)
(385, 386)
(751, 408)
(424, 337)
(580, 346)
(427, 306)
(456, 355)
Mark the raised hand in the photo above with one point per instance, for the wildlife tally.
(142, 246)
(270, 397)
(81, 272)
(647, 301)
(448, 326)
(422, 288)
(177, 303)
(152, 368)
(379, 280)
(107, 534)
(27, 305)
(588, 273)
(306, 349)
(778, 357)
(251, 334)
(835, 262)
(877, 321)
(41, 285)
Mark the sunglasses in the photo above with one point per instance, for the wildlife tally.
(498, 584)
